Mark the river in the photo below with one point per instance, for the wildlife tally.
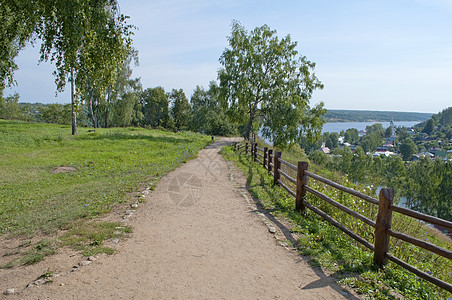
(339, 126)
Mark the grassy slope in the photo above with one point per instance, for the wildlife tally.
(335, 251)
(110, 163)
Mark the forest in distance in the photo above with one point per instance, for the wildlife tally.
(339, 115)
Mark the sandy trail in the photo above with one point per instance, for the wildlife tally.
(196, 237)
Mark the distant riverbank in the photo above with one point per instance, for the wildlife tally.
(339, 126)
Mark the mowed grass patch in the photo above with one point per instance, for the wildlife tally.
(105, 165)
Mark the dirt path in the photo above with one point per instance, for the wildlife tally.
(196, 237)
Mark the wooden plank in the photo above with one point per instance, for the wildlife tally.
(425, 245)
(288, 177)
(438, 282)
(288, 164)
(287, 188)
(342, 188)
(338, 225)
(341, 206)
(420, 216)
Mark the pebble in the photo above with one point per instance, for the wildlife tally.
(9, 292)
(115, 241)
(91, 258)
(272, 230)
(134, 205)
(84, 263)
(41, 281)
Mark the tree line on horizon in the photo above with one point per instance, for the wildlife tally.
(264, 82)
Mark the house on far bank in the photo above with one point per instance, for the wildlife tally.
(325, 149)
(425, 154)
(383, 153)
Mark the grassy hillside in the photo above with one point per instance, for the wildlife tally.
(35, 198)
(334, 115)
(332, 249)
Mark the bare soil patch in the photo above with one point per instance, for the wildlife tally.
(63, 170)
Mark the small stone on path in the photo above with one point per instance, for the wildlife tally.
(9, 292)
(84, 263)
(272, 230)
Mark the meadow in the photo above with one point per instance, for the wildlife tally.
(52, 181)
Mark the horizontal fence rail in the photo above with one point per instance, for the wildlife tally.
(272, 161)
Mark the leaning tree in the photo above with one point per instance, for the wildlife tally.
(85, 39)
(264, 79)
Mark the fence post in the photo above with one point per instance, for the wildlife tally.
(277, 166)
(384, 221)
(265, 157)
(246, 149)
(270, 153)
(302, 181)
(255, 152)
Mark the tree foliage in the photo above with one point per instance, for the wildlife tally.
(407, 148)
(180, 109)
(155, 105)
(428, 187)
(208, 115)
(429, 126)
(85, 40)
(264, 77)
(56, 114)
(9, 107)
(351, 136)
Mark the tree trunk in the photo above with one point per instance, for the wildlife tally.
(106, 118)
(93, 118)
(107, 109)
(74, 104)
(248, 127)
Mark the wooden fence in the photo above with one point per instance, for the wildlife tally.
(382, 225)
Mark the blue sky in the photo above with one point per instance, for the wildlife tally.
(370, 55)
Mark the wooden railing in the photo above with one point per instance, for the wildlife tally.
(272, 161)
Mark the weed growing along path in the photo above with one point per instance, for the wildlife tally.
(195, 237)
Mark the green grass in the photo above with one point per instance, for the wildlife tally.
(332, 249)
(109, 164)
(89, 237)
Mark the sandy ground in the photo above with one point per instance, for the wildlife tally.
(197, 236)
